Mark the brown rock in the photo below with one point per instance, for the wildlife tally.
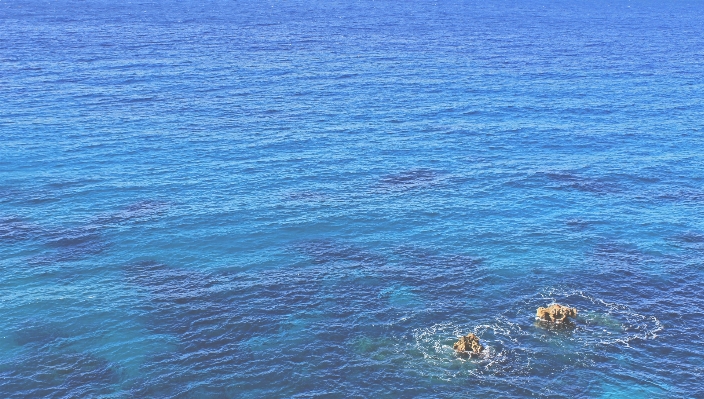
(469, 343)
(556, 313)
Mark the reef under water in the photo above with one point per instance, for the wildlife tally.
(319, 199)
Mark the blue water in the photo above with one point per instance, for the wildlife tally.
(288, 199)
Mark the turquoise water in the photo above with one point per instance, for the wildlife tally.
(290, 199)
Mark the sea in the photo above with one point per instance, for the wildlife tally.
(316, 199)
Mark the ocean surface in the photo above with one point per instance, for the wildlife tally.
(315, 199)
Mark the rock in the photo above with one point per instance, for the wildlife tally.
(470, 344)
(556, 313)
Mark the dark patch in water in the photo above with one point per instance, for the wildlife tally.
(578, 224)
(567, 180)
(183, 302)
(214, 315)
(683, 196)
(415, 178)
(8, 194)
(47, 373)
(62, 244)
(166, 283)
(209, 323)
(326, 251)
(444, 263)
(613, 254)
(310, 316)
(66, 184)
(72, 238)
(41, 198)
(66, 245)
(71, 245)
(13, 229)
(136, 212)
(440, 274)
(646, 310)
(36, 333)
(690, 237)
(690, 241)
(75, 243)
(306, 196)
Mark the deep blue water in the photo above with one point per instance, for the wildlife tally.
(286, 199)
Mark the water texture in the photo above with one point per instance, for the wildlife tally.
(287, 199)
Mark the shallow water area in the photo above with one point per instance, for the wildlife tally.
(316, 199)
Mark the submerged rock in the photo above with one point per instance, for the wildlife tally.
(469, 343)
(556, 313)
